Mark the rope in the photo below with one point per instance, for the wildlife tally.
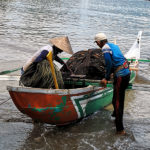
(5, 101)
(9, 71)
(140, 60)
(13, 70)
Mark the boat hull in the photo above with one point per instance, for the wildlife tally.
(60, 107)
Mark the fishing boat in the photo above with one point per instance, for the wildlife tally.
(81, 98)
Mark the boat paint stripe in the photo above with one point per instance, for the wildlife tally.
(38, 90)
(81, 106)
(132, 77)
(81, 101)
(76, 107)
(54, 110)
(81, 90)
(95, 93)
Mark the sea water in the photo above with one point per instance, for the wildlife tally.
(26, 25)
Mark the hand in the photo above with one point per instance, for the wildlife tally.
(71, 72)
(112, 76)
(104, 82)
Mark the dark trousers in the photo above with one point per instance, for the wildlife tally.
(120, 85)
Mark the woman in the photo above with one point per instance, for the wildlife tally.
(59, 44)
(37, 73)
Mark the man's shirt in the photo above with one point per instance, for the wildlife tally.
(113, 59)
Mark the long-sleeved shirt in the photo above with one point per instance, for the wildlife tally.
(113, 59)
(41, 55)
(37, 56)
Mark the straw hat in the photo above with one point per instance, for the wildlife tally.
(62, 43)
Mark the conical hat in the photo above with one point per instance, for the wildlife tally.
(62, 43)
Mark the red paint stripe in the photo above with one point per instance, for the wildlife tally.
(119, 79)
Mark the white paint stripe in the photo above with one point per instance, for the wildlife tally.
(81, 90)
(52, 91)
(38, 90)
(76, 108)
(84, 102)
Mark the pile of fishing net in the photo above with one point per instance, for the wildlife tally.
(89, 63)
(39, 75)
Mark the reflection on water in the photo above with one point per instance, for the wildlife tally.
(26, 25)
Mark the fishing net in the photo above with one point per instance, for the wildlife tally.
(89, 63)
(39, 75)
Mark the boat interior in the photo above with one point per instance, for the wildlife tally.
(79, 81)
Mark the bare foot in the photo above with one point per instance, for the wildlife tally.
(121, 132)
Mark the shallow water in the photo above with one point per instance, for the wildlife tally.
(26, 25)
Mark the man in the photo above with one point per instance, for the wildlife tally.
(59, 44)
(115, 63)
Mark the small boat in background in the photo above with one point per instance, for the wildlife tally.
(79, 99)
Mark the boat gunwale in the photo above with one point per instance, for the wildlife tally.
(55, 91)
